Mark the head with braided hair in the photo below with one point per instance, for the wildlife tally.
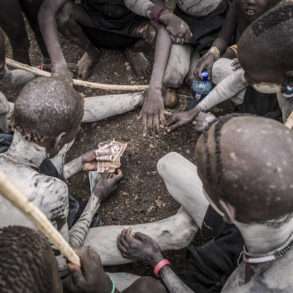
(48, 112)
(265, 48)
(27, 263)
(246, 164)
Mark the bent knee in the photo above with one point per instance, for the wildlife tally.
(148, 284)
(167, 164)
(174, 77)
(221, 69)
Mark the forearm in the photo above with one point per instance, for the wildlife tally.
(221, 44)
(48, 27)
(79, 231)
(140, 7)
(224, 91)
(162, 52)
(73, 167)
(173, 282)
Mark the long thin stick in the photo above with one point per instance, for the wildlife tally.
(13, 195)
(289, 122)
(78, 82)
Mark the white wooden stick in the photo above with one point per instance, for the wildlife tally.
(289, 122)
(13, 195)
(78, 82)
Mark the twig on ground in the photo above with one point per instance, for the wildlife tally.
(78, 82)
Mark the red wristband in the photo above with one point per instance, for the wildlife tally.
(160, 265)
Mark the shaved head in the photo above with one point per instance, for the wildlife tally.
(265, 48)
(48, 107)
(247, 161)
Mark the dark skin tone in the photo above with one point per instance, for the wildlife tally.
(140, 247)
(241, 14)
(15, 30)
(91, 278)
(153, 109)
(173, 29)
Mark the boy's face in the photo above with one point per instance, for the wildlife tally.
(255, 8)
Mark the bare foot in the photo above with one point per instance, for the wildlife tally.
(139, 63)
(86, 64)
(171, 99)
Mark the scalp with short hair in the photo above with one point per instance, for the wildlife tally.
(47, 107)
(266, 45)
(247, 162)
(27, 263)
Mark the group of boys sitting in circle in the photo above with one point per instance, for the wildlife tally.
(239, 188)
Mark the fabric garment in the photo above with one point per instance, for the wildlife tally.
(113, 22)
(247, 100)
(205, 28)
(198, 8)
(214, 262)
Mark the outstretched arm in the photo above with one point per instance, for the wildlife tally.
(100, 189)
(225, 90)
(219, 46)
(153, 107)
(47, 21)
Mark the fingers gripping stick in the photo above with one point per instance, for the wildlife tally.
(16, 198)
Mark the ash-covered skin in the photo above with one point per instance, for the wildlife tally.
(27, 263)
(45, 111)
(47, 117)
(253, 163)
(240, 163)
(248, 180)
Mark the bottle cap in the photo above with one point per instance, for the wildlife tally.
(205, 75)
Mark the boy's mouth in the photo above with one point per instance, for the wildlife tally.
(250, 11)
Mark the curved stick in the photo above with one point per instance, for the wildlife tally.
(289, 122)
(16, 198)
(78, 82)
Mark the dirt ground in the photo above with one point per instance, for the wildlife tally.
(142, 196)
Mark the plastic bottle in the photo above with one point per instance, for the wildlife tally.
(201, 88)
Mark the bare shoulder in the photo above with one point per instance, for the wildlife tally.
(275, 278)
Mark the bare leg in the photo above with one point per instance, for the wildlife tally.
(31, 9)
(184, 185)
(102, 107)
(68, 21)
(178, 66)
(145, 33)
(12, 22)
(176, 232)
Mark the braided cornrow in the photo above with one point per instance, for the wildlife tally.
(24, 262)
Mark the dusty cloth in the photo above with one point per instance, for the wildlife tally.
(206, 27)
(214, 262)
(113, 22)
